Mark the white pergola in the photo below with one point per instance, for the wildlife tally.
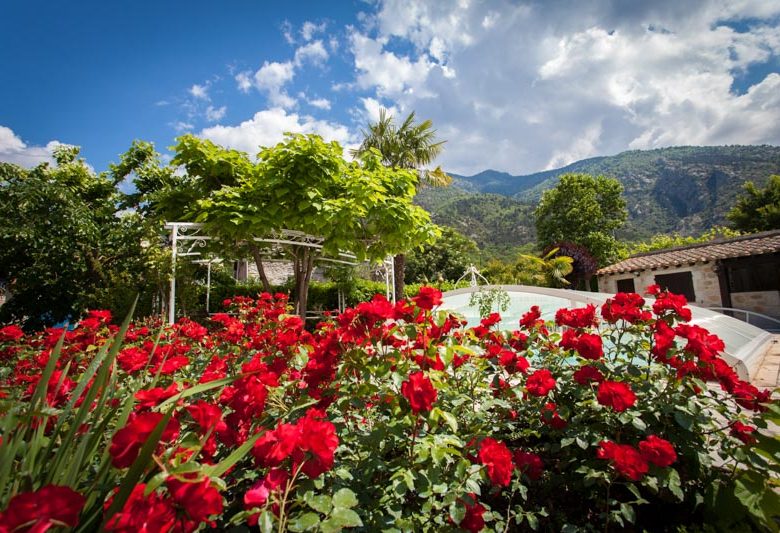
(187, 237)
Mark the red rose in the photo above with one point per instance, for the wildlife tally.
(419, 391)
(49, 506)
(199, 499)
(277, 445)
(582, 317)
(127, 442)
(657, 451)
(257, 496)
(540, 382)
(11, 334)
(148, 398)
(618, 396)
(627, 461)
(532, 319)
(586, 374)
(529, 463)
(625, 306)
(674, 303)
(663, 340)
(589, 346)
(473, 521)
(319, 439)
(550, 416)
(743, 432)
(207, 416)
(142, 513)
(497, 460)
(427, 298)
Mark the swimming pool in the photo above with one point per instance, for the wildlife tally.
(745, 344)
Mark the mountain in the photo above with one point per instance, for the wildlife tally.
(685, 189)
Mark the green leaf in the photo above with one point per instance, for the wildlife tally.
(673, 484)
(266, 522)
(320, 503)
(628, 512)
(450, 419)
(305, 522)
(345, 499)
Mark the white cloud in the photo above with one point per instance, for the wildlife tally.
(319, 103)
(314, 52)
(267, 128)
(390, 74)
(181, 126)
(14, 150)
(522, 87)
(244, 81)
(271, 79)
(309, 29)
(213, 114)
(200, 92)
(371, 108)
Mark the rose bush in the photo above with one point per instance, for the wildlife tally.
(390, 417)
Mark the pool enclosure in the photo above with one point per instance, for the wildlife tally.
(745, 344)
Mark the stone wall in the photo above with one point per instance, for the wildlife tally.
(705, 282)
(764, 302)
(706, 287)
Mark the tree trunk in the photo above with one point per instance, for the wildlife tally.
(399, 263)
(260, 270)
(303, 265)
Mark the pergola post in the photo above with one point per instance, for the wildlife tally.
(172, 294)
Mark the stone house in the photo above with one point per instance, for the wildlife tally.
(741, 272)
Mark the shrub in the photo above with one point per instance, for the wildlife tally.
(386, 417)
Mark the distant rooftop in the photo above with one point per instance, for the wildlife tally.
(766, 242)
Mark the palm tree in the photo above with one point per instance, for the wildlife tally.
(410, 146)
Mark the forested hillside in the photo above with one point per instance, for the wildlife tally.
(685, 189)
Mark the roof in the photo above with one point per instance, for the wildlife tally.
(766, 242)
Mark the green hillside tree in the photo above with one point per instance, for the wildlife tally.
(412, 145)
(447, 258)
(585, 210)
(757, 209)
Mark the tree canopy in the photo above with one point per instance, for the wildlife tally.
(304, 184)
(447, 258)
(585, 210)
(757, 209)
(67, 243)
(408, 146)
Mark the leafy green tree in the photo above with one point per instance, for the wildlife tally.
(757, 209)
(408, 146)
(549, 270)
(447, 258)
(585, 210)
(68, 244)
(304, 184)
(664, 240)
(211, 171)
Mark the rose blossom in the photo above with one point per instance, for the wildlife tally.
(419, 391)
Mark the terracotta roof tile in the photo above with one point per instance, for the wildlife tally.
(747, 245)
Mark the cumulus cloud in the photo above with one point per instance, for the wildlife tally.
(309, 29)
(313, 51)
(14, 150)
(522, 87)
(273, 76)
(200, 92)
(214, 114)
(268, 127)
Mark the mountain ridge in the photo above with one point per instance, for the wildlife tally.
(684, 189)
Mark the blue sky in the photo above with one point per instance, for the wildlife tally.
(518, 86)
